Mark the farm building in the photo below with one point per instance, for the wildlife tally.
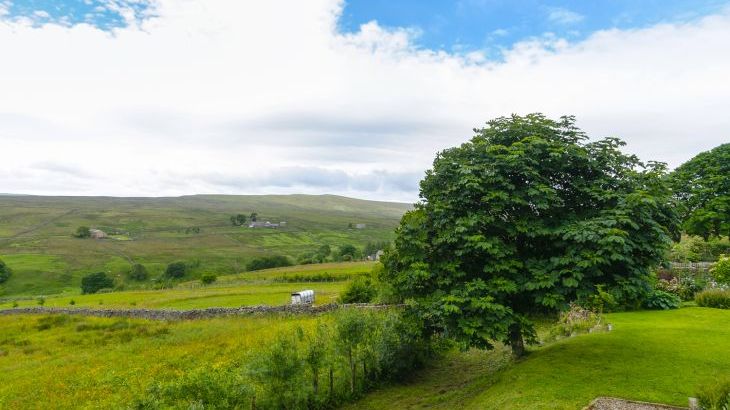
(97, 234)
(266, 224)
(304, 297)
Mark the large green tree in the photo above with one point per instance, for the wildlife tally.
(702, 187)
(527, 216)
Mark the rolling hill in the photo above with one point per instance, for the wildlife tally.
(36, 233)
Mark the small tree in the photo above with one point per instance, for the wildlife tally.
(361, 290)
(316, 354)
(83, 232)
(278, 371)
(348, 250)
(93, 282)
(253, 216)
(208, 278)
(721, 271)
(138, 272)
(702, 189)
(176, 270)
(5, 272)
(351, 328)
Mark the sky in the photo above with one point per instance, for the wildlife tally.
(175, 97)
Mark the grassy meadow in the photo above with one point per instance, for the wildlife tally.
(36, 234)
(657, 356)
(94, 363)
(265, 287)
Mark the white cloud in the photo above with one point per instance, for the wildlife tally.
(225, 96)
(564, 16)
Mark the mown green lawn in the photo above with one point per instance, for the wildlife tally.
(659, 356)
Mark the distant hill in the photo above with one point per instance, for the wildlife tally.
(36, 233)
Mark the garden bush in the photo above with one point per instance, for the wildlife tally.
(714, 298)
(715, 396)
(661, 300)
(721, 271)
(575, 320)
(95, 282)
(268, 262)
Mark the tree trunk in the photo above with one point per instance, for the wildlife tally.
(352, 371)
(515, 340)
(315, 382)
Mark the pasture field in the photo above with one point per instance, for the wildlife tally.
(657, 356)
(70, 362)
(265, 287)
(36, 234)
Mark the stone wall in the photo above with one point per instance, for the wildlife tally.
(173, 314)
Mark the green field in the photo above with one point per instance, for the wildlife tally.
(265, 287)
(81, 362)
(94, 363)
(36, 234)
(657, 356)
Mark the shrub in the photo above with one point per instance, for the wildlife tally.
(5, 272)
(715, 396)
(83, 232)
(360, 290)
(721, 271)
(714, 298)
(601, 301)
(138, 272)
(659, 299)
(41, 301)
(574, 320)
(208, 278)
(209, 388)
(176, 270)
(94, 282)
(268, 262)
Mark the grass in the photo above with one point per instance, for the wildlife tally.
(658, 356)
(251, 288)
(84, 363)
(36, 241)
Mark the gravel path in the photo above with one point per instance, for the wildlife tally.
(609, 403)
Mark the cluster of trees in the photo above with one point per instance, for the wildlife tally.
(82, 232)
(268, 262)
(240, 219)
(320, 368)
(344, 252)
(5, 272)
(701, 187)
(526, 217)
(94, 282)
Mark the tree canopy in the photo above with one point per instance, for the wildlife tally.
(94, 282)
(702, 187)
(528, 216)
(5, 272)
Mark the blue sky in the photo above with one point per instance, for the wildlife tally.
(455, 26)
(244, 97)
(490, 25)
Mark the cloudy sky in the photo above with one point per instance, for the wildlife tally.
(172, 97)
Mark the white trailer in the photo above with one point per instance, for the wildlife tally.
(304, 297)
